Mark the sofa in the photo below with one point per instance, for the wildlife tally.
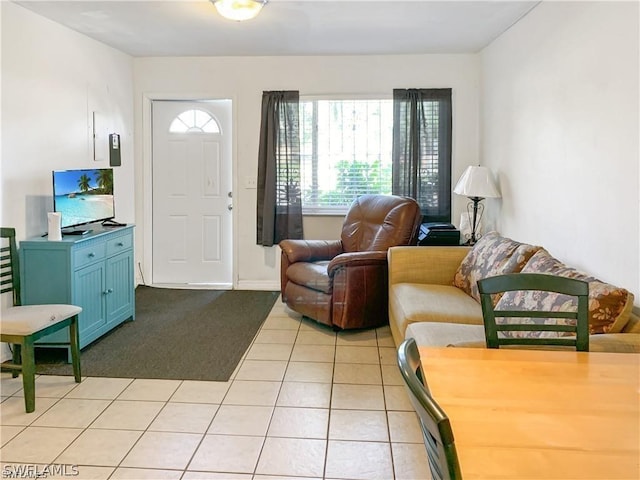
(433, 295)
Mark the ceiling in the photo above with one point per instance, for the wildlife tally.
(284, 27)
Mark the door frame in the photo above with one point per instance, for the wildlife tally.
(147, 180)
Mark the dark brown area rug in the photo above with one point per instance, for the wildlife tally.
(178, 334)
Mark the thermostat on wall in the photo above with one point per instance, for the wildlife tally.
(114, 150)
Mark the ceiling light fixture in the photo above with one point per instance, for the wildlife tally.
(239, 10)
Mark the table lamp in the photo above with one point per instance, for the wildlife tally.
(476, 183)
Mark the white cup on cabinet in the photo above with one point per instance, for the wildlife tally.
(54, 232)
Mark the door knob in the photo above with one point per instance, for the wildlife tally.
(230, 194)
(230, 207)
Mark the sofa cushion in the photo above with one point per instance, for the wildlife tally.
(416, 302)
(491, 255)
(615, 343)
(604, 342)
(609, 306)
(633, 324)
(442, 334)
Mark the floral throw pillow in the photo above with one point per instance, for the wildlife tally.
(491, 255)
(609, 306)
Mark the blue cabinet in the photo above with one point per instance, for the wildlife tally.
(94, 271)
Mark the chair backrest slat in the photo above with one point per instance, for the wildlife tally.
(560, 341)
(539, 313)
(9, 267)
(542, 328)
(500, 284)
(436, 428)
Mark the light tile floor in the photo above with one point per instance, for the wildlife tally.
(304, 403)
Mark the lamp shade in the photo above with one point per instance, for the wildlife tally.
(239, 10)
(476, 181)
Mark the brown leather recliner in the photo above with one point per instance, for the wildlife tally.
(344, 283)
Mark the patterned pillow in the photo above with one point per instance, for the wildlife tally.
(491, 255)
(609, 306)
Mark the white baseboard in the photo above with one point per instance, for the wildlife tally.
(268, 285)
(258, 285)
(193, 286)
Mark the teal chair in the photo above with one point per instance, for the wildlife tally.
(578, 327)
(22, 326)
(436, 428)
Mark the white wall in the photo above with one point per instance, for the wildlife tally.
(52, 79)
(1, 200)
(243, 79)
(560, 129)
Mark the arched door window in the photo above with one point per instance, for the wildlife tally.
(195, 120)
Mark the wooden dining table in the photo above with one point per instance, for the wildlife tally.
(534, 414)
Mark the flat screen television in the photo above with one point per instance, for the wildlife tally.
(83, 196)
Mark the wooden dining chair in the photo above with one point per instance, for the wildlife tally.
(530, 320)
(436, 428)
(22, 326)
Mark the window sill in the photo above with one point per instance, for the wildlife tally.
(324, 213)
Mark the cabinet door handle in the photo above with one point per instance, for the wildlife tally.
(119, 244)
(91, 255)
(108, 291)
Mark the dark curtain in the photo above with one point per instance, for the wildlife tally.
(279, 209)
(422, 149)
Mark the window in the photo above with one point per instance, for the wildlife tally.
(197, 121)
(345, 151)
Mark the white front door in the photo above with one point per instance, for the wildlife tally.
(191, 182)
